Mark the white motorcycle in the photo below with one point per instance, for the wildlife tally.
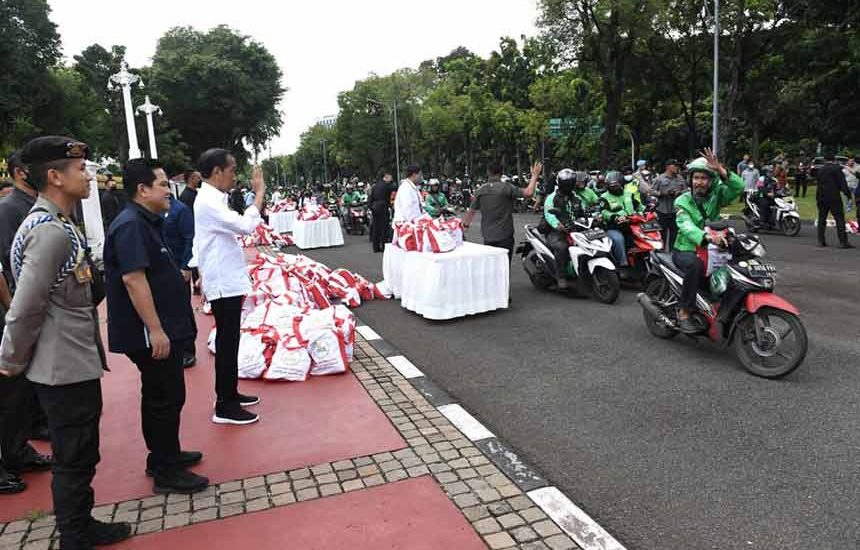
(590, 268)
(784, 215)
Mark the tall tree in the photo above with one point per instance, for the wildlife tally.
(218, 89)
(95, 64)
(29, 47)
(600, 35)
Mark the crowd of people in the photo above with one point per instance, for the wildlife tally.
(52, 357)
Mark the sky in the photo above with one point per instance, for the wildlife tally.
(322, 46)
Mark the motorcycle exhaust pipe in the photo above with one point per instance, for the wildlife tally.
(646, 302)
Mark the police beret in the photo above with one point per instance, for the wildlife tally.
(51, 148)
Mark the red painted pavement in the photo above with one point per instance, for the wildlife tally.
(412, 514)
(322, 420)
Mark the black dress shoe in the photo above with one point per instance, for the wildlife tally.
(186, 459)
(36, 462)
(178, 481)
(100, 533)
(687, 326)
(846, 245)
(10, 483)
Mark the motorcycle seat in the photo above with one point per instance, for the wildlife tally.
(665, 258)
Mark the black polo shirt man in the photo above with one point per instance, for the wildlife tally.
(151, 328)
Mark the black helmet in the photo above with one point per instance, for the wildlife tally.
(614, 182)
(582, 179)
(566, 181)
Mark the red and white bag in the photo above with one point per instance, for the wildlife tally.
(252, 354)
(438, 238)
(327, 353)
(290, 362)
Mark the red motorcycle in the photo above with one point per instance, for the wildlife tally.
(737, 308)
(644, 237)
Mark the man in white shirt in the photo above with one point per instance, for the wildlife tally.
(224, 272)
(407, 204)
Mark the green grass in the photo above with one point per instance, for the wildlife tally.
(805, 206)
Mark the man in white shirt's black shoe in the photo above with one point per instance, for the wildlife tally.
(224, 272)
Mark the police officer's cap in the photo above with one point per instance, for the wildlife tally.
(50, 148)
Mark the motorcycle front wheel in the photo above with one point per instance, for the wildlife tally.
(790, 226)
(606, 285)
(778, 349)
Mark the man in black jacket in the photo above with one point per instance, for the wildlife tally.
(380, 206)
(831, 182)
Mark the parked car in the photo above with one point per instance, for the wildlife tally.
(817, 162)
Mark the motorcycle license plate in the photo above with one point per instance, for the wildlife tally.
(593, 234)
(761, 269)
(651, 226)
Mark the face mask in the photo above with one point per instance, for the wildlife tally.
(628, 178)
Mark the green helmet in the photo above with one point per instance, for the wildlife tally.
(701, 165)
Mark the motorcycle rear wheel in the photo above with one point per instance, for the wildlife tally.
(606, 285)
(657, 290)
(768, 358)
(790, 226)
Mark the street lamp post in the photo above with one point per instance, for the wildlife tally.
(150, 109)
(325, 161)
(125, 80)
(716, 132)
(396, 133)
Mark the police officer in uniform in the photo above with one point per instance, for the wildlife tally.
(52, 334)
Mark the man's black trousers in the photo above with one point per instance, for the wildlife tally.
(557, 242)
(837, 209)
(73, 413)
(228, 320)
(162, 396)
(379, 230)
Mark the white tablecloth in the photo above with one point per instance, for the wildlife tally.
(317, 234)
(471, 279)
(282, 222)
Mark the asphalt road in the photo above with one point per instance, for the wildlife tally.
(668, 445)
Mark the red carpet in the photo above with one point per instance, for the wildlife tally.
(322, 420)
(412, 514)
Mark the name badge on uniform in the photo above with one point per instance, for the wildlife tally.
(84, 273)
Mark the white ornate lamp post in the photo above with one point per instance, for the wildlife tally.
(124, 80)
(149, 109)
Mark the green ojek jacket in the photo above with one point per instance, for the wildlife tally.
(568, 204)
(587, 196)
(351, 198)
(619, 205)
(434, 203)
(691, 223)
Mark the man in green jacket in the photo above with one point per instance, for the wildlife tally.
(586, 196)
(618, 205)
(711, 188)
(560, 209)
(435, 200)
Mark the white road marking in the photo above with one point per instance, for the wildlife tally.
(576, 523)
(465, 422)
(405, 367)
(368, 333)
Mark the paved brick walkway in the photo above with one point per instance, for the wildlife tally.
(498, 510)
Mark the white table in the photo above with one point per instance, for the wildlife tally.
(468, 280)
(282, 222)
(317, 234)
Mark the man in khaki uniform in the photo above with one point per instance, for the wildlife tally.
(52, 334)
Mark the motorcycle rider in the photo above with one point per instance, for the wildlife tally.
(711, 188)
(351, 196)
(765, 196)
(619, 203)
(585, 194)
(560, 209)
(435, 200)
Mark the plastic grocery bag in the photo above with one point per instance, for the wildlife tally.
(252, 359)
(327, 353)
(290, 362)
